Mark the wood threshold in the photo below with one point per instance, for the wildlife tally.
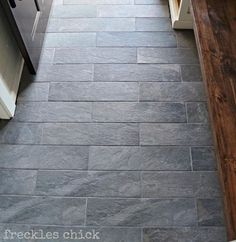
(215, 30)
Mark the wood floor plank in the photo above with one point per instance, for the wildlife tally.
(216, 38)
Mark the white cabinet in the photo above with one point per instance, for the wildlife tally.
(11, 65)
(180, 14)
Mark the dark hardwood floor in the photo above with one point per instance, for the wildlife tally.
(215, 29)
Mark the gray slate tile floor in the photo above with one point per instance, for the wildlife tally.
(113, 132)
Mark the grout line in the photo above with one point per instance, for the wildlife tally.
(86, 212)
(101, 145)
(93, 72)
(129, 198)
(196, 210)
(191, 158)
(137, 171)
(186, 111)
(108, 226)
(141, 182)
(104, 170)
(142, 235)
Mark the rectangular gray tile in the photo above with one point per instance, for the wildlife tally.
(91, 24)
(33, 92)
(104, 234)
(120, 234)
(53, 112)
(210, 212)
(175, 134)
(144, 2)
(191, 73)
(28, 79)
(65, 73)
(17, 181)
(197, 112)
(139, 158)
(47, 55)
(185, 234)
(136, 72)
(44, 157)
(91, 134)
(203, 158)
(89, 184)
(167, 55)
(58, 2)
(97, 2)
(99, 91)
(132, 11)
(186, 39)
(42, 210)
(160, 39)
(6, 229)
(174, 92)
(73, 11)
(79, 233)
(180, 184)
(96, 55)
(153, 24)
(138, 112)
(70, 40)
(20, 133)
(141, 212)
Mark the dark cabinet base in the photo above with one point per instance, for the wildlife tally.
(28, 20)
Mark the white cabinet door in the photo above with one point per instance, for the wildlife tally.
(180, 14)
(11, 64)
